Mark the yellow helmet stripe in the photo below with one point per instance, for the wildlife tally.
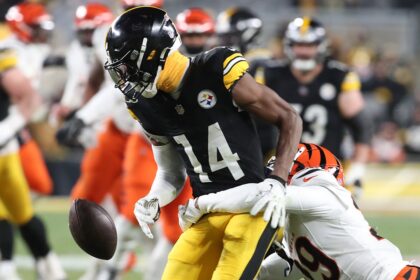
(305, 25)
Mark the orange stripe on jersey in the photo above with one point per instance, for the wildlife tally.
(409, 272)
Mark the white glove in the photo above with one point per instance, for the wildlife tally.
(273, 200)
(189, 214)
(353, 179)
(354, 173)
(147, 211)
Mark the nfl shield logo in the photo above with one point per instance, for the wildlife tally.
(206, 99)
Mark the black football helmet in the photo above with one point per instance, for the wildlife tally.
(137, 45)
(305, 30)
(238, 27)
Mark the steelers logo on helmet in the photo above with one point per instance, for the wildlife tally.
(137, 57)
(206, 99)
(238, 27)
(309, 33)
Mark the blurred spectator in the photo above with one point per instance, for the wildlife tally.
(412, 134)
(360, 56)
(383, 94)
(387, 145)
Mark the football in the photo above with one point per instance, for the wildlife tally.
(93, 229)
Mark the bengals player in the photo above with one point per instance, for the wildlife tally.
(193, 113)
(325, 93)
(196, 27)
(326, 235)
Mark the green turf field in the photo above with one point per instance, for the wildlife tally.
(401, 229)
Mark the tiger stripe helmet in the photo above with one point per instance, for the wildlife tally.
(314, 156)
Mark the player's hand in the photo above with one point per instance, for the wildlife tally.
(273, 201)
(147, 211)
(354, 179)
(68, 134)
(189, 214)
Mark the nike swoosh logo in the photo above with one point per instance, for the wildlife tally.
(308, 178)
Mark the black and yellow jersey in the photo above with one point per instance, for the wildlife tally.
(316, 102)
(8, 59)
(216, 139)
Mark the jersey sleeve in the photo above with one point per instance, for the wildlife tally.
(310, 201)
(234, 67)
(351, 82)
(8, 59)
(227, 63)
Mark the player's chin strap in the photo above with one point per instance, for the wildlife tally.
(151, 90)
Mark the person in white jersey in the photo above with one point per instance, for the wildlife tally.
(325, 236)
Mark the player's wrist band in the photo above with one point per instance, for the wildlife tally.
(281, 180)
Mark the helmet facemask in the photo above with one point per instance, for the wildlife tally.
(130, 79)
(136, 59)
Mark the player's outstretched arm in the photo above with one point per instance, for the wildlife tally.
(240, 199)
(269, 106)
(24, 99)
(168, 183)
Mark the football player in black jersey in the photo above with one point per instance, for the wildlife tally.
(324, 92)
(195, 113)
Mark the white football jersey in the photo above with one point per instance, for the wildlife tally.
(30, 59)
(109, 101)
(328, 236)
(78, 61)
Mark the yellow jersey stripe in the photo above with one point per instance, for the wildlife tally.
(8, 59)
(235, 73)
(133, 115)
(232, 63)
(175, 67)
(351, 82)
(230, 58)
(260, 75)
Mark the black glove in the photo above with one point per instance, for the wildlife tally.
(69, 133)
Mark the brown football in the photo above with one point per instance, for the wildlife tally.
(93, 229)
